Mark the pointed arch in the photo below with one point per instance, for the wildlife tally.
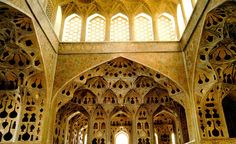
(72, 28)
(143, 124)
(143, 29)
(166, 27)
(132, 97)
(119, 7)
(119, 30)
(157, 96)
(122, 137)
(76, 128)
(165, 128)
(84, 96)
(95, 28)
(120, 74)
(109, 97)
(120, 110)
(112, 68)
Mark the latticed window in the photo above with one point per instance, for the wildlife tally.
(143, 27)
(166, 27)
(119, 28)
(96, 26)
(72, 28)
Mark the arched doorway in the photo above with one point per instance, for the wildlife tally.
(165, 128)
(122, 138)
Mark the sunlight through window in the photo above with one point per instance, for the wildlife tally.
(72, 28)
(57, 25)
(143, 27)
(85, 138)
(119, 28)
(173, 138)
(122, 138)
(166, 27)
(188, 8)
(156, 138)
(180, 20)
(96, 26)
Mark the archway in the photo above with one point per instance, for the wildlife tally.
(170, 124)
(122, 138)
(165, 128)
(121, 123)
(111, 94)
(77, 129)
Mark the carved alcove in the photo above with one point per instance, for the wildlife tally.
(119, 97)
(22, 79)
(216, 70)
(121, 122)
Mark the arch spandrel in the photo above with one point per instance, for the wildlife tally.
(121, 68)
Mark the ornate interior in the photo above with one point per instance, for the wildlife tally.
(215, 69)
(115, 94)
(117, 72)
(22, 81)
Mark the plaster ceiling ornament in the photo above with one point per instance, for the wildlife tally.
(215, 73)
(116, 90)
(217, 49)
(22, 78)
(121, 75)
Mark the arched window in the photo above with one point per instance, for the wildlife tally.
(229, 107)
(122, 138)
(188, 8)
(119, 28)
(143, 27)
(96, 25)
(166, 27)
(57, 25)
(72, 28)
(180, 18)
